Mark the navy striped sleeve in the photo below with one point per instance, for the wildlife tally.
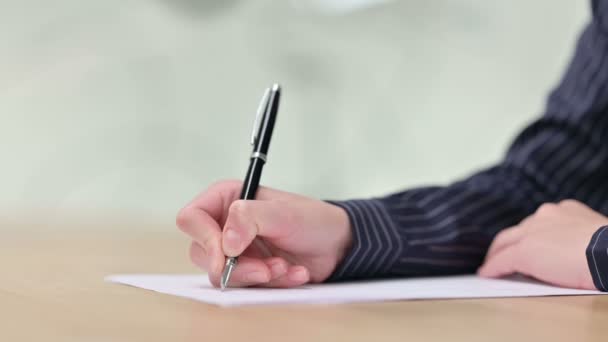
(597, 258)
(447, 230)
(374, 251)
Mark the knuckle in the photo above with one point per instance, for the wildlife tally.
(570, 203)
(223, 185)
(526, 222)
(207, 240)
(202, 234)
(546, 209)
(183, 218)
(238, 209)
(500, 236)
(506, 233)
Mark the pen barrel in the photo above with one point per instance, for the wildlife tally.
(252, 179)
(268, 121)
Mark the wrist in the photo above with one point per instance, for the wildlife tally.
(374, 245)
(344, 234)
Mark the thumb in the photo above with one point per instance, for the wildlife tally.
(270, 219)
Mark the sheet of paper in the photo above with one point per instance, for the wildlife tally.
(197, 287)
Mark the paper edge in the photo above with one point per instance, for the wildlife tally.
(118, 279)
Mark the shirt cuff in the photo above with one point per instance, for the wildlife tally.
(376, 242)
(597, 258)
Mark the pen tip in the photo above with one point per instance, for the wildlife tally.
(223, 282)
(276, 87)
(230, 263)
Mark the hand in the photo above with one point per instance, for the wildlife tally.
(284, 240)
(549, 245)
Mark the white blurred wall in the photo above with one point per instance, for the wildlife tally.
(135, 106)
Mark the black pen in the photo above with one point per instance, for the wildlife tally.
(260, 140)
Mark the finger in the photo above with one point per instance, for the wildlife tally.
(218, 197)
(502, 263)
(203, 229)
(247, 219)
(213, 202)
(258, 249)
(210, 260)
(504, 239)
(278, 267)
(295, 276)
(248, 272)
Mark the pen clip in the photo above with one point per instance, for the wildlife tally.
(258, 117)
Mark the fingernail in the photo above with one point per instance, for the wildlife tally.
(277, 269)
(231, 240)
(256, 277)
(299, 275)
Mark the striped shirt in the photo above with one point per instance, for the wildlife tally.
(448, 230)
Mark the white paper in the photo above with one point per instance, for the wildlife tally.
(197, 287)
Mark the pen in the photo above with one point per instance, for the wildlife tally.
(260, 140)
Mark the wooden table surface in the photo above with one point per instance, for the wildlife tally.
(52, 289)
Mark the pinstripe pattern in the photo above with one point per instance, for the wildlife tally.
(597, 258)
(561, 155)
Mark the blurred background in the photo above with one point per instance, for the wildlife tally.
(132, 107)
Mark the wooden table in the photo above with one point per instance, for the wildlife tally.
(52, 289)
